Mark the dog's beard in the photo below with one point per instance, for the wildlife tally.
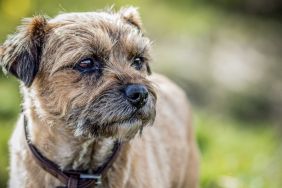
(112, 116)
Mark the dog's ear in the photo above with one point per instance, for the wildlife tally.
(132, 16)
(20, 53)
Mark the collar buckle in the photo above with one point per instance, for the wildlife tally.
(97, 178)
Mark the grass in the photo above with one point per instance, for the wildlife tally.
(5, 132)
(237, 154)
(9, 108)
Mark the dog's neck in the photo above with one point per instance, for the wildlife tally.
(61, 147)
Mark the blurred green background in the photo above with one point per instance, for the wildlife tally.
(226, 54)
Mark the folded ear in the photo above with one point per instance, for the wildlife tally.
(20, 54)
(132, 16)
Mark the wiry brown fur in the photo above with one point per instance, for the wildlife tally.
(74, 118)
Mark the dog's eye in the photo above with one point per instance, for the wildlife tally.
(88, 65)
(138, 63)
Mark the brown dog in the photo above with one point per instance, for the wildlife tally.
(87, 85)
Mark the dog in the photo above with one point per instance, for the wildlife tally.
(90, 101)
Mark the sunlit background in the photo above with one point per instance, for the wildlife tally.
(226, 54)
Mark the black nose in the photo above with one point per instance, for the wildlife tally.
(136, 94)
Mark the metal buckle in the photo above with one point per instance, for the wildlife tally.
(97, 178)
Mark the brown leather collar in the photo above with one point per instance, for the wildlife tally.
(72, 178)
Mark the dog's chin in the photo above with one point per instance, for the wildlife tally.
(128, 129)
(121, 130)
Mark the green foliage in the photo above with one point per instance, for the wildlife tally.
(250, 107)
(236, 154)
(5, 132)
(9, 108)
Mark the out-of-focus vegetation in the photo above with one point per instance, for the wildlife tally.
(237, 154)
(225, 53)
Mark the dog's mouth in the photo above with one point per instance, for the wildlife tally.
(128, 127)
(132, 120)
(137, 118)
(115, 118)
(124, 127)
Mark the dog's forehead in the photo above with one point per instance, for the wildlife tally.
(93, 24)
(85, 17)
(108, 21)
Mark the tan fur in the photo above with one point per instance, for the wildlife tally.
(74, 118)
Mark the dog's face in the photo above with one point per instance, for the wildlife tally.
(87, 72)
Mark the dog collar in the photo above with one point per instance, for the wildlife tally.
(72, 178)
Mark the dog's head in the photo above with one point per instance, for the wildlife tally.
(87, 72)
